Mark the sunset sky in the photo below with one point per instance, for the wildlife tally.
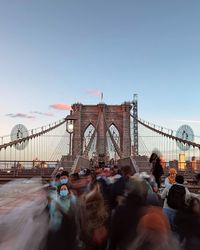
(55, 53)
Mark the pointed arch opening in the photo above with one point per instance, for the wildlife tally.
(111, 147)
(89, 141)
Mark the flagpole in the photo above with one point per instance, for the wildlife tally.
(101, 96)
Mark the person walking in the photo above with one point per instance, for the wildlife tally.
(156, 169)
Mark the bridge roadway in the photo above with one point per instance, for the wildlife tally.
(25, 191)
(10, 174)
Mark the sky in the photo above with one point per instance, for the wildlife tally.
(56, 53)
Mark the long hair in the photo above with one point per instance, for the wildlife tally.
(93, 213)
(153, 157)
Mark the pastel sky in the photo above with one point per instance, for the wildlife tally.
(54, 53)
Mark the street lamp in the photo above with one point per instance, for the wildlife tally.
(70, 128)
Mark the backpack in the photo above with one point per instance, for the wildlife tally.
(176, 196)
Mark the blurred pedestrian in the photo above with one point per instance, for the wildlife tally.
(156, 168)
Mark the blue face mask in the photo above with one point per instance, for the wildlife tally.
(54, 183)
(64, 193)
(64, 181)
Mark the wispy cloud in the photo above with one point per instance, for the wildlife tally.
(189, 121)
(21, 115)
(61, 106)
(93, 92)
(41, 113)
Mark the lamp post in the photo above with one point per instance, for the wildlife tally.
(70, 128)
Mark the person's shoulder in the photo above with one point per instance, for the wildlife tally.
(166, 182)
(187, 190)
(166, 179)
(165, 192)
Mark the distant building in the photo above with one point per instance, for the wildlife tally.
(194, 163)
(181, 162)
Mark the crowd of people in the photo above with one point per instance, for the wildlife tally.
(101, 208)
(116, 209)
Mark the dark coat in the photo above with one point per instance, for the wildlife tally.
(124, 222)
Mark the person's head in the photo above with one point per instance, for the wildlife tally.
(107, 172)
(64, 177)
(172, 172)
(57, 177)
(154, 219)
(172, 175)
(55, 182)
(145, 176)
(74, 177)
(194, 205)
(153, 232)
(86, 174)
(155, 225)
(115, 170)
(153, 157)
(136, 190)
(63, 191)
(126, 171)
(179, 179)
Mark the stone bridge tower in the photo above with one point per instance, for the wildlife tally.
(101, 117)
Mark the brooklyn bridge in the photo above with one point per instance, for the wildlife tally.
(97, 135)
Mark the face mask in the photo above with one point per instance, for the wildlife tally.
(54, 183)
(64, 181)
(57, 183)
(64, 193)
